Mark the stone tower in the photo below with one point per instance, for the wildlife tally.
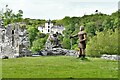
(14, 41)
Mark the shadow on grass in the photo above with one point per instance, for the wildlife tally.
(84, 59)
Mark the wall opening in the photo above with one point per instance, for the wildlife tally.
(12, 37)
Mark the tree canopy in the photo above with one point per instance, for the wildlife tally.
(99, 28)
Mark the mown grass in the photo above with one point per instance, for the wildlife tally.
(0, 68)
(59, 67)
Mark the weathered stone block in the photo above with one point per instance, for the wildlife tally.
(14, 41)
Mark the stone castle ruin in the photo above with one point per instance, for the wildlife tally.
(14, 40)
(53, 47)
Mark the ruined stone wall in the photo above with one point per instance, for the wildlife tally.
(14, 41)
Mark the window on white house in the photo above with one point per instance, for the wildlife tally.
(48, 26)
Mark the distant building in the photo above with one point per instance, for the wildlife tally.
(50, 28)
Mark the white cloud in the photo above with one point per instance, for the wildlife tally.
(56, 9)
(93, 0)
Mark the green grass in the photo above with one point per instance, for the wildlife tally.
(59, 67)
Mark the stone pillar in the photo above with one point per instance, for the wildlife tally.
(16, 40)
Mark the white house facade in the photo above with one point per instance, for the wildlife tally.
(50, 28)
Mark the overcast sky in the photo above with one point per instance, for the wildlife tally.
(58, 9)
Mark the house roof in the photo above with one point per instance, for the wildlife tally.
(57, 27)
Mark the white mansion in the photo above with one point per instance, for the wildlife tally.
(50, 28)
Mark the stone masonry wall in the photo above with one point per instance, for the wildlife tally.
(14, 40)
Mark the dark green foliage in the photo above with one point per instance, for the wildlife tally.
(97, 26)
(66, 43)
(90, 29)
(60, 37)
(103, 43)
(37, 39)
(41, 35)
(38, 44)
(10, 17)
(32, 33)
(94, 25)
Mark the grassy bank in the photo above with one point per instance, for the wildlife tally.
(59, 67)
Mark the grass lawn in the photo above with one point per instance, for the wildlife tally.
(59, 67)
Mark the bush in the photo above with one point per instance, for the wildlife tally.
(38, 44)
(66, 43)
(105, 42)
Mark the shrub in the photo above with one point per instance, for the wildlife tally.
(66, 43)
(105, 42)
(38, 44)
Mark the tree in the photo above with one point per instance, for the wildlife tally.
(90, 29)
(38, 44)
(19, 15)
(9, 17)
(66, 43)
(32, 34)
(105, 42)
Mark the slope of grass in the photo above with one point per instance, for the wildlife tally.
(59, 67)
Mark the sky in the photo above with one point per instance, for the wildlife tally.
(58, 9)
